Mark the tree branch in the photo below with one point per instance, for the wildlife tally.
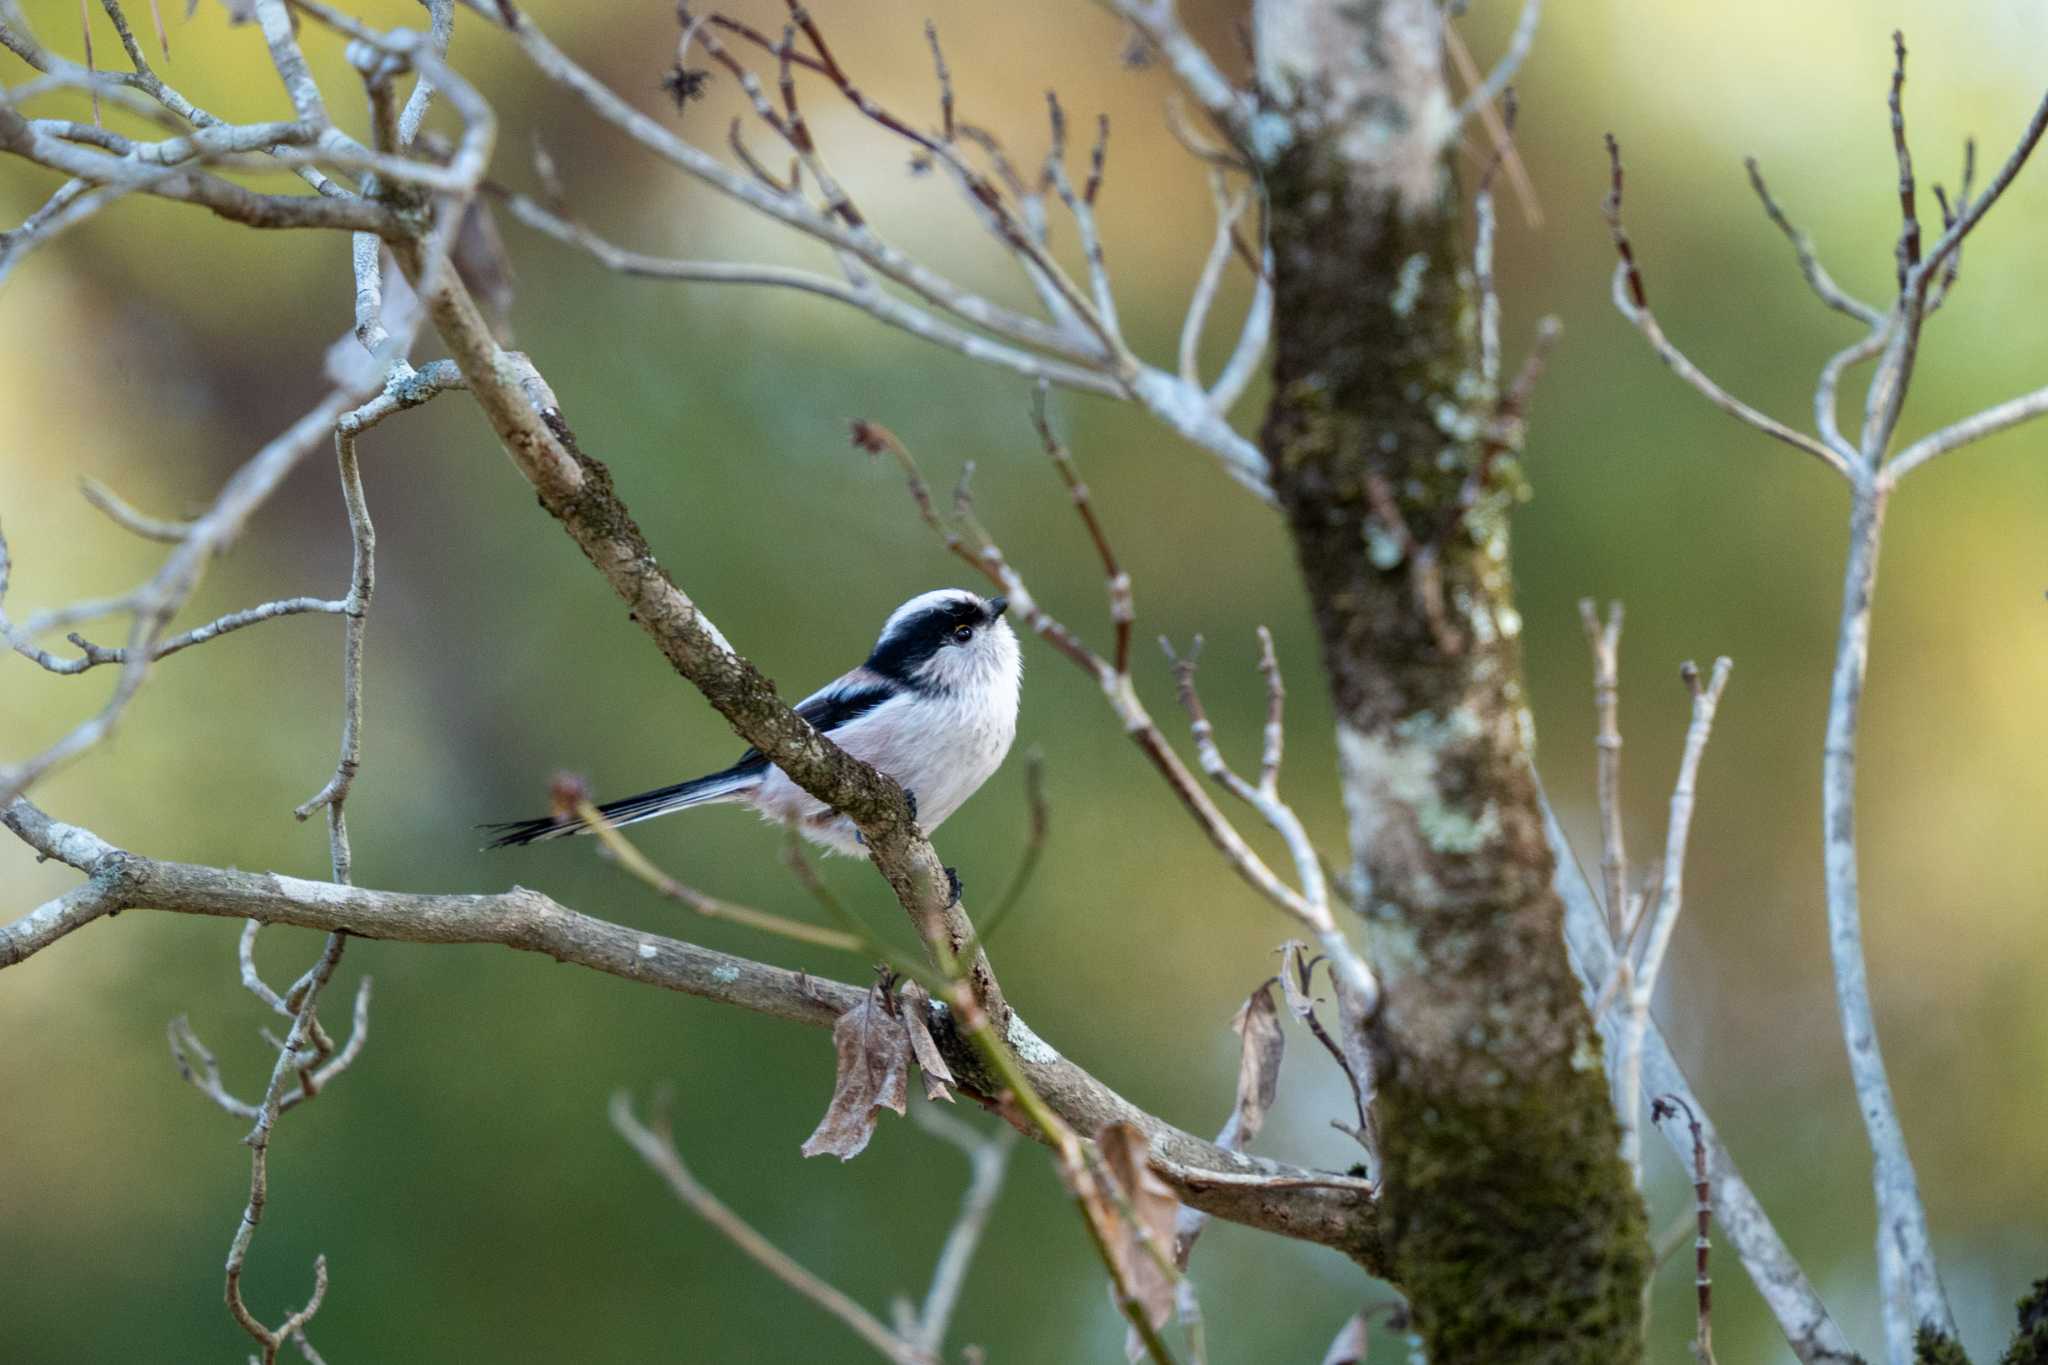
(1327, 1209)
(1809, 1328)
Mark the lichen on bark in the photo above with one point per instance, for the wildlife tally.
(1511, 1222)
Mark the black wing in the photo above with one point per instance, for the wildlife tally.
(827, 709)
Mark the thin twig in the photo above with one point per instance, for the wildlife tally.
(1497, 80)
(1668, 1107)
(988, 1160)
(635, 862)
(128, 519)
(1632, 302)
(1706, 699)
(1605, 642)
(1229, 208)
(1822, 283)
(655, 1143)
(1311, 907)
(1034, 844)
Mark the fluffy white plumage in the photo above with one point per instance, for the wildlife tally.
(934, 706)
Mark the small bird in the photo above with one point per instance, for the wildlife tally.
(934, 706)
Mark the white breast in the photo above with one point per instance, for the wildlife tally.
(941, 748)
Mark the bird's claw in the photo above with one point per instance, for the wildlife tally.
(952, 888)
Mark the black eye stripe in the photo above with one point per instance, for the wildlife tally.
(915, 641)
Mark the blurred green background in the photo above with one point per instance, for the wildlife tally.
(462, 1181)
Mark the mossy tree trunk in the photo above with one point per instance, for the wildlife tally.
(1512, 1224)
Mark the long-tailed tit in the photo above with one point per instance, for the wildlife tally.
(934, 706)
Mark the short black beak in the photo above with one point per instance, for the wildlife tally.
(997, 606)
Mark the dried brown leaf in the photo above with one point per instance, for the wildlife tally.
(931, 1065)
(1258, 1068)
(873, 1073)
(1126, 1154)
(1350, 1346)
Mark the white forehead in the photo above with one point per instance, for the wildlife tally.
(924, 602)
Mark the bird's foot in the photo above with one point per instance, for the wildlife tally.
(952, 888)
(910, 799)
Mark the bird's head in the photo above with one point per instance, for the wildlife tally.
(948, 641)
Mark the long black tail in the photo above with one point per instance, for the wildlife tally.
(700, 791)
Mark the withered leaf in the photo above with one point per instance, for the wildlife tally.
(1350, 1346)
(1257, 1023)
(873, 1047)
(931, 1064)
(1258, 1068)
(1125, 1153)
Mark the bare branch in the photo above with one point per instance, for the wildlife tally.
(1250, 351)
(1082, 332)
(1815, 1337)
(280, 35)
(128, 519)
(1605, 641)
(128, 172)
(442, 28)
(1912, 1296)
(1311, 906)
(1313, 1206)
(154, 603)
(1706, 698)
(1823, 284)
(1968, 217)
(93, 655)
(866, 296)
(1668, 1107)
(791, 210)
(1908, 250)
(1971, 429)
(711, 907)
(1633, 304)
(1825, 416)
(1196, 71)
(1034, 844)
(293, 1056)
(1504, 70)
(988, 1159)
(1122, 611)
(1229, 209)
(656, 1146)
(1082, 208)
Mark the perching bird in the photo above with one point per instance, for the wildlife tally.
(934, 706)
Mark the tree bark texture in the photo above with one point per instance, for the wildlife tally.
(1510, 1220)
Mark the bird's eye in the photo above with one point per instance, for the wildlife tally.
(962, 634)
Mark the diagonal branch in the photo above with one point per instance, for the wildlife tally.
(1822, 283)
(1970, 430)
(1159, 23)
(655, 1142)
(1519, 45)
(1815, 1337)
